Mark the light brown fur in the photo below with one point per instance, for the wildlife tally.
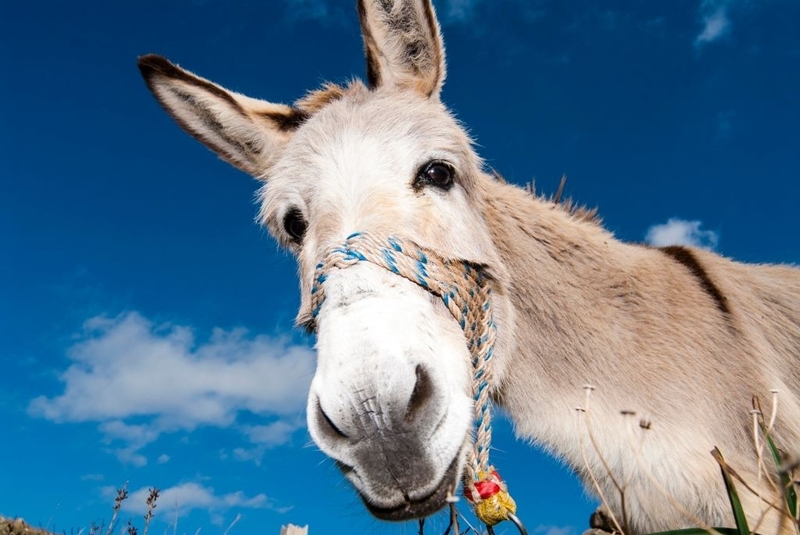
(636, 324)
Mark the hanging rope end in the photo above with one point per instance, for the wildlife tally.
(490, 498)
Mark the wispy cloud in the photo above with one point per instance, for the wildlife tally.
(325, 12)
(459, 10)
(128, 368)
(681, 232)
(725, 122)
(472, 11)
(134, 438)
(271, 434)
(189, 496)
(265, 437)
(715, 20)
(554, 530)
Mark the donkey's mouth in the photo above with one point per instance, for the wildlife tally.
(420, 507)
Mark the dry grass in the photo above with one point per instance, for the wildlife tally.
(785, 488)
(17, 526)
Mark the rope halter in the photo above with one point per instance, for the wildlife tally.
(463, 287)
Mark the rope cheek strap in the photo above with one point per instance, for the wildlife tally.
(463, 288)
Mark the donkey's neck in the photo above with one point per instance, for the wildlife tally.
(576, 295)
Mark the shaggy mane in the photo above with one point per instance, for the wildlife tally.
(569, 205)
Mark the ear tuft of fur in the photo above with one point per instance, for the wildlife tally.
(315, 100)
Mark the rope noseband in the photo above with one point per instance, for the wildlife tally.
(463, 287)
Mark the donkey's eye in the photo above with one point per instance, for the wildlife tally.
(437, 174)
(295, 225)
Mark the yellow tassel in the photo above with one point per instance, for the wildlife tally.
(495, 509)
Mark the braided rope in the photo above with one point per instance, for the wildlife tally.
(463, 288)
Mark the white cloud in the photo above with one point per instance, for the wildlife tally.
(273, 434)
(135, 437)
(310, 9)
(459, 10)
(466, 11)
(189, 496)
(554, 530)
(265, 437)
(716, 24)
(163, 458)
(128, 367)
(325, 12)
(254, 455)
(680, 232)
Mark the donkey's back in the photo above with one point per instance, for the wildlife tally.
(766, 319)
(730, 334)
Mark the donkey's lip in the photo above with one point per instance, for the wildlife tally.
(422, 507)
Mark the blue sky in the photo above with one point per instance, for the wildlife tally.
(146, 321)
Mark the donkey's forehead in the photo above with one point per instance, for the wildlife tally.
(365, 129)
(353, 164)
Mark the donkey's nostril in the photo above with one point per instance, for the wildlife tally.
(423, 391)
(326, 424)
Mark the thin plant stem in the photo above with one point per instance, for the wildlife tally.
(122, 495)
(595, 483)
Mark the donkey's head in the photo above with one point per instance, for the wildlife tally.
(391, 400)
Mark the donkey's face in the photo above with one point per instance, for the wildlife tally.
(390, 400)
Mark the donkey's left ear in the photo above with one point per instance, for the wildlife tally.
(403, 45)
(246, 132)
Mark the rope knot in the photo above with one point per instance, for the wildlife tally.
(490, 498)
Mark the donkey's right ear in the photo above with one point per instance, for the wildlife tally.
(246, 132)
(403, 45)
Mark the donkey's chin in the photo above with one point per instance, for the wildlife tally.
(427, 505)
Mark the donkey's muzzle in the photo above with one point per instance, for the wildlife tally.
(420, 507)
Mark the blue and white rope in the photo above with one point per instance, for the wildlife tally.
(462, 286)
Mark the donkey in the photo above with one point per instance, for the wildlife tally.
(679, 336)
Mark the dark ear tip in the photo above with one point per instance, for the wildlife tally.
(151, 64)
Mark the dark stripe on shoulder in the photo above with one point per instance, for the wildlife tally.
(687, 258)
